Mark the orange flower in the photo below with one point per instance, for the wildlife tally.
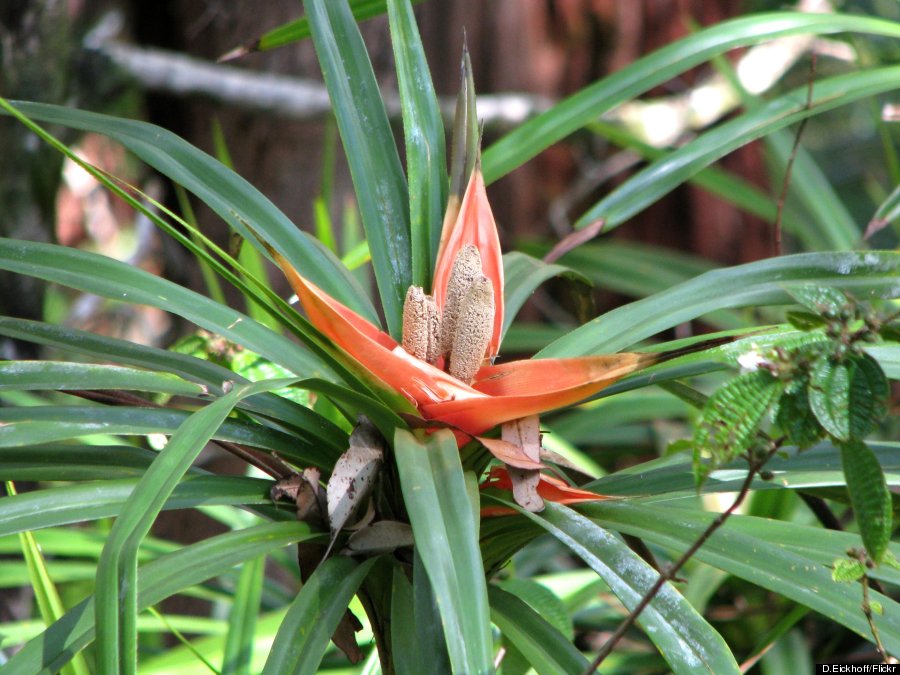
(501, 394)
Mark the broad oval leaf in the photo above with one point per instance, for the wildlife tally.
(829, 395)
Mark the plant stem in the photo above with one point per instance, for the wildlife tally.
(670, 573)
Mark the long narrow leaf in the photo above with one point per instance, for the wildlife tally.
(434, 491)
(423, 130)
(119, 281)
(665, 174)
(865, 275)
(225, 192)
(117, 603)
(212, 376)
(548, 651)
(62, 375)
(46, 424)
(91, 501)
(537, 134)
(157, 580)
(312, 618)
(749, 554)
(687, 642)
(369, 145)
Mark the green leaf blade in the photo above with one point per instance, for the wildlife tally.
(313, 616)
(423, 130)
(369, 145)
(445, 531)
(869, 495)
(578, 110)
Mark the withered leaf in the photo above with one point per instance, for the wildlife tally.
(381, 537)
(526, 434)
(354, 475)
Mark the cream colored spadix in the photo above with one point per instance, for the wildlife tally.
(466, 267)
(472, 331)
(421, 325)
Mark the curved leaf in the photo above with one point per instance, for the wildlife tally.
(157, 580)
(665, 174)
(116, 590)
(522, 275)
(312, 618)
(750, 548)
(92, 501)
(864, 274)
(537, 134)
(235, 200)
(446, 538)
(299, 418)
(45, 424)
(687, 642)
(371, 153)
(123, 282)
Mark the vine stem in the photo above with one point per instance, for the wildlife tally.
(785, 184)
(670, 573)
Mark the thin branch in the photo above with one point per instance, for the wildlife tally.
(785, 184)
(263, 461)
(867, 610)
(291, 97)
(669, 574)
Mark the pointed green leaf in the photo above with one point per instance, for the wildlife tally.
(865, 274)
(769, 553)
(312, 618)
(225, 192)
(123, 282)
(537, 134)
(104, 499)
(829, 396)
(369, 145)
(869, 393)
(300, 419)
(869, 496)
(423, 131)
(62, 375)
(658, 179)
(729, 423)
(445, 531)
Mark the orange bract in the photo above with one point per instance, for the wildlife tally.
(499, 393)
